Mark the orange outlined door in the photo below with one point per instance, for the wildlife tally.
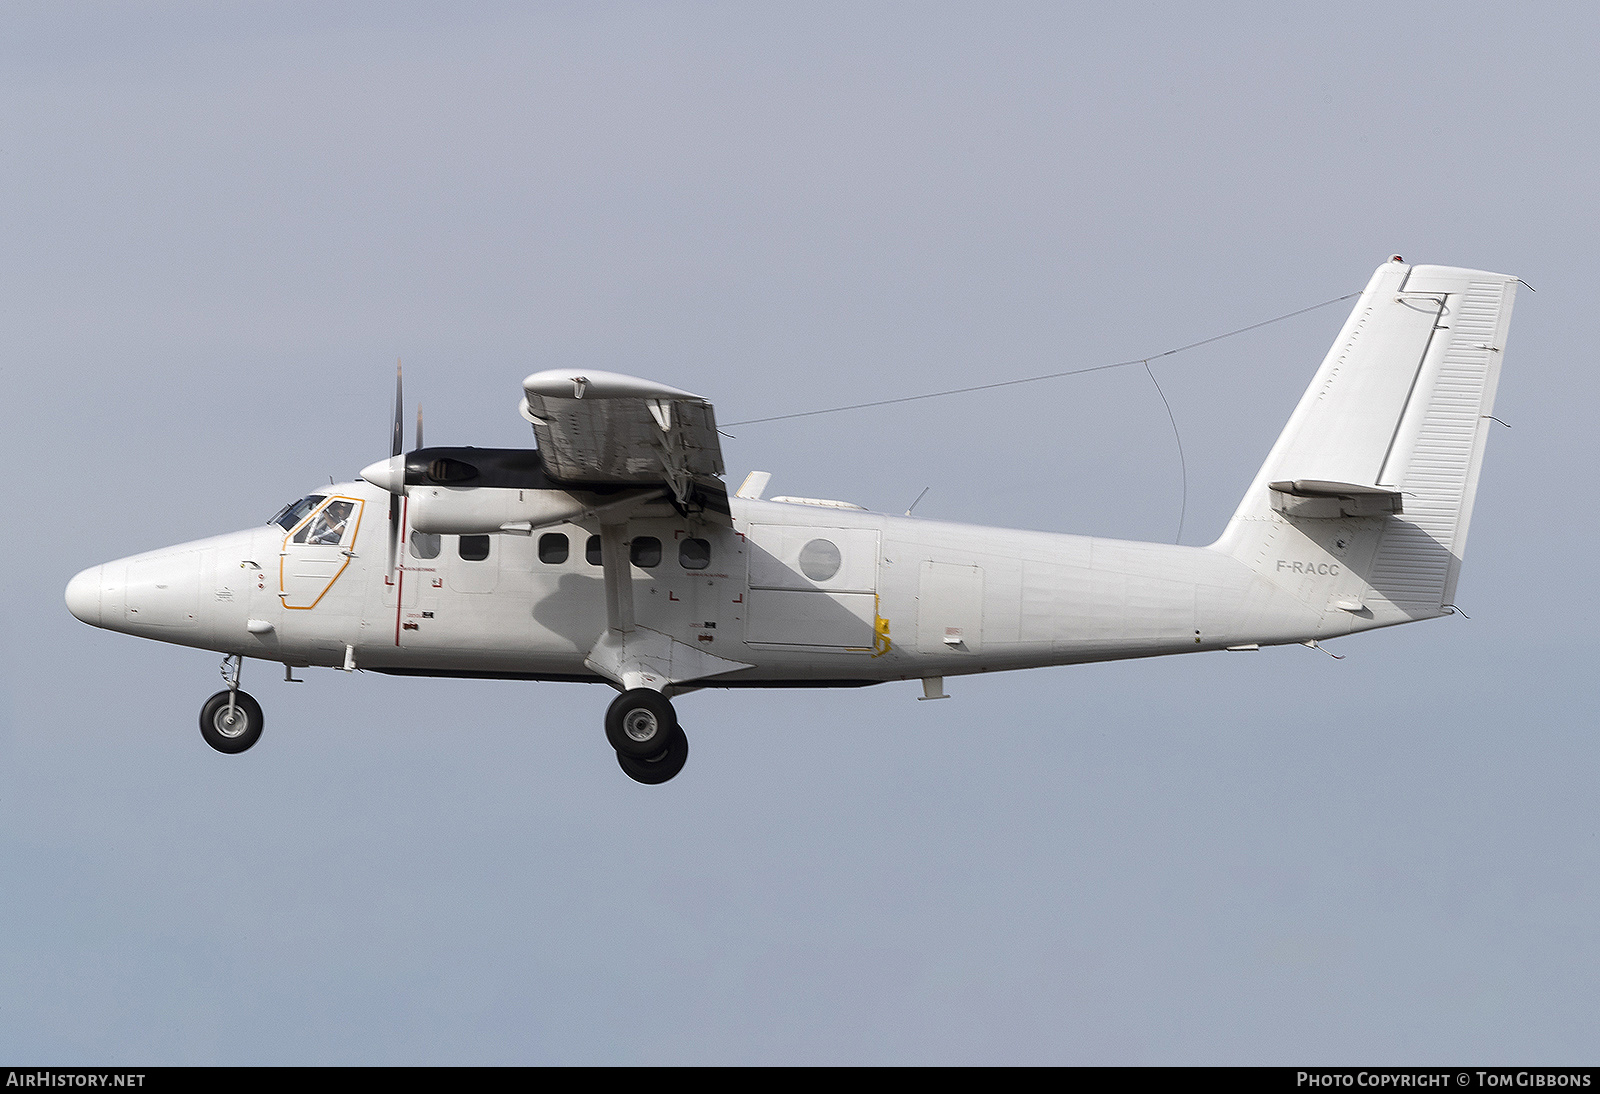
(317, 551)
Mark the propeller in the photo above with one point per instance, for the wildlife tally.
(390, 474)
(396, 444)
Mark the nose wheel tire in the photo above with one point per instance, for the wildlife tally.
(231, 732)
(640, 724)
(665, 765)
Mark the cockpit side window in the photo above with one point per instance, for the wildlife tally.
(296, 511)
(328, 527)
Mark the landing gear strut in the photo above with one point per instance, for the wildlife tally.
(231, 720)
(642, 726)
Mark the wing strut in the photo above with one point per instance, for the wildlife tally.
(631, 656)
(614, 565)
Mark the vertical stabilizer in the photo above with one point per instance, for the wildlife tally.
(1362, 507)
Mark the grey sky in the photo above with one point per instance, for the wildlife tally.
(222, 224)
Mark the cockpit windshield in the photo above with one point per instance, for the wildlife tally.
(296, 511)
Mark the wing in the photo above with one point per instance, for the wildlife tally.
(601, 427)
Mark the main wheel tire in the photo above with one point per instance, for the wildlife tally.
(663, 767)
(639, 723)
(235, 734)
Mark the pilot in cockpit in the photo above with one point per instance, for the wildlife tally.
(328, 528)
(327, 533)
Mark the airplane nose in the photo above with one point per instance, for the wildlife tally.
(83, 595)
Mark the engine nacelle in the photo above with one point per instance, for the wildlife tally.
(487, 510)
(482, 491)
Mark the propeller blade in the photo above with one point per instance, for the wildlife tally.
(397, 442)
(394, 531)
(419, 425)
(398, 439)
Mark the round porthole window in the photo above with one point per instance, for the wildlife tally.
(819, 560)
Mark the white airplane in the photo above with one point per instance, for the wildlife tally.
(612, 553)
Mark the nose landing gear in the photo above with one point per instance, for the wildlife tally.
(231, 720)
(642, 726)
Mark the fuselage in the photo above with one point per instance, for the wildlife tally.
(802, 594)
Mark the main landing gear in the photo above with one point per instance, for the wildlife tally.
(642, 726)
(231, 720)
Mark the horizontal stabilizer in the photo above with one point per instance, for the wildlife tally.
(1330, 500)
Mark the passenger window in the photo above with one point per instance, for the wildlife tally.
(328, 527)
(474, 548)
(694, 554)
(424, 545)
(591, 551)
(645, 551)
(553, 548)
